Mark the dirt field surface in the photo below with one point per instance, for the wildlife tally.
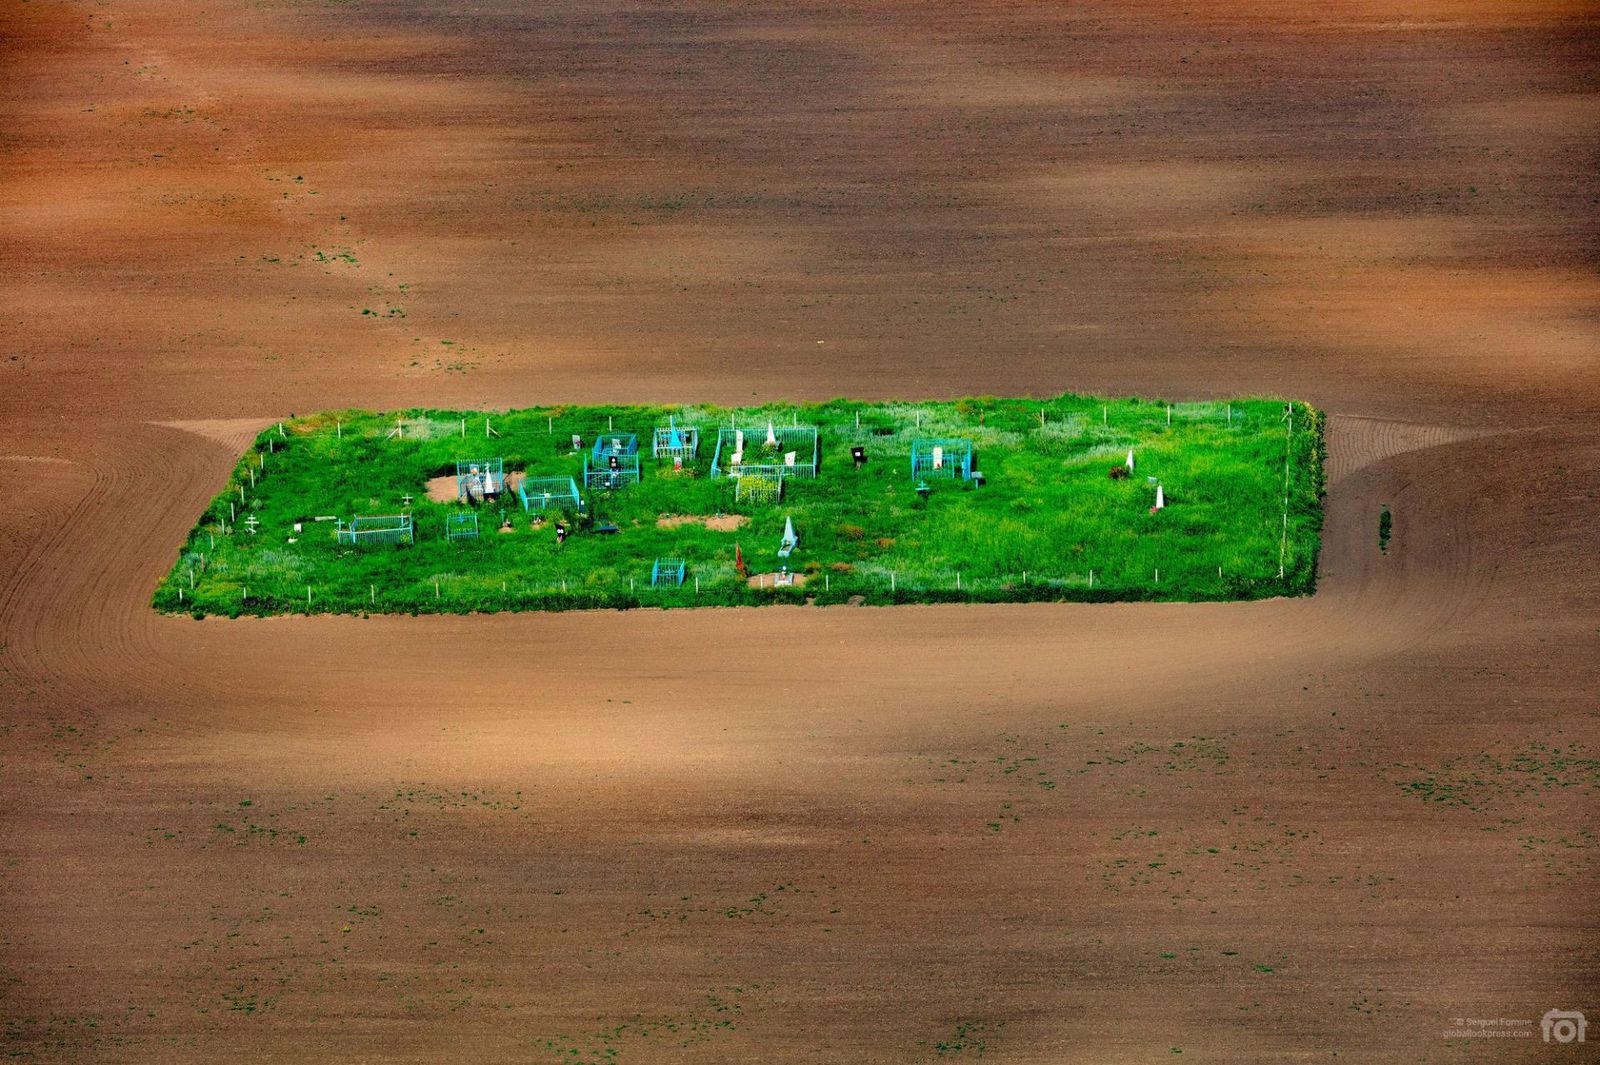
(1283, 831)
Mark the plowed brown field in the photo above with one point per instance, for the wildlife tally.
(1280, 831)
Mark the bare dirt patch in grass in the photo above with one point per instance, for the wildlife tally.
(714, 522)
(442, 489)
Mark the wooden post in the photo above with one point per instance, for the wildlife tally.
(191, 577)
(1158, 574)
(263, 462)
(252, 479)
(308, 595)
(241, 493)
(1169, 414)
(436, 587)
(549, 423)
(1041, 417)
(827, 582)
(1091, 578)
(958, 580)
(891, 580)
(463, 428)
(233, 515)
(1105, 415)
(697, 584)
(281, 432)
(372, 593)
(338, 429)
(610, 423)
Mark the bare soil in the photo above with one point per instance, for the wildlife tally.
(443, 489)
(1071, 833)
(714, 522)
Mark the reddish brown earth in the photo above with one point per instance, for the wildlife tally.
(1094, 834)
(714, 522)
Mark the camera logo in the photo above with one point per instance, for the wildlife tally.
(1564, 1026)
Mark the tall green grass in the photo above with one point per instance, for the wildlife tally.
(1048, 524)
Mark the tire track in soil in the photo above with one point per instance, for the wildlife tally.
(88, 629)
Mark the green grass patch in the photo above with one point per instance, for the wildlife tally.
(1242, 482)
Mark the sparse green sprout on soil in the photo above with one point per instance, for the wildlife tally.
(1069, 498)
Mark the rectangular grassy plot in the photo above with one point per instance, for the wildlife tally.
(1080, 498)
